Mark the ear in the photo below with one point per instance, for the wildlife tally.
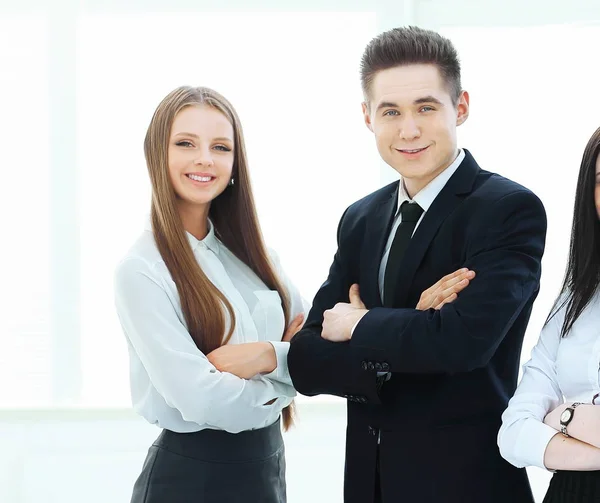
(367, 116)
(462, 108)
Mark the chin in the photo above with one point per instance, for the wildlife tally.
(413, 171)
(198, 199)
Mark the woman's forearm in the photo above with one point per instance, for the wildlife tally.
(585, 425)
(564, 453)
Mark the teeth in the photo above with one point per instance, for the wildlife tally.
(200, 178)
(412, 151)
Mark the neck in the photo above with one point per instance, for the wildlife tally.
(195, 219)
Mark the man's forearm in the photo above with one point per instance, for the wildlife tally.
(318, 366)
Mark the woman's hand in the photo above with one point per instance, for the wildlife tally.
(294, 328)
(446, 290)
(244, 360)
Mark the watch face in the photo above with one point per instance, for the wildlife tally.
(566, 416)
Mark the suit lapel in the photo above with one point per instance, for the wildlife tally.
(444, 204)
(378, 229)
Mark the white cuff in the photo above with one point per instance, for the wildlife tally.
(532, 442)
(281, 372)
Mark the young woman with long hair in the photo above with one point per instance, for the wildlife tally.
(552, 421)
(208, 314)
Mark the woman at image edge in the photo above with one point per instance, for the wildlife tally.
(552, 421)
(204, 310)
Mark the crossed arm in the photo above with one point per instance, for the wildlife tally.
(505, 251)
(530, 435)
(581, 451)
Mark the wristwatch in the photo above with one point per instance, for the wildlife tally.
(566, 417)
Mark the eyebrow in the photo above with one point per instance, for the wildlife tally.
(418, 101)
(192, 135)
(427, 99)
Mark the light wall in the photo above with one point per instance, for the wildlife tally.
(77, 93)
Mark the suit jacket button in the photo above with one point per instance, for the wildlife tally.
(378, 367)
(372, 431)
(371, 366)
(385, 367)
(364, 365)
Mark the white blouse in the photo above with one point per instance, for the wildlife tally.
(561, 369)
(173, 385)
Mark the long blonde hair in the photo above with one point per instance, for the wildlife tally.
(233, 214)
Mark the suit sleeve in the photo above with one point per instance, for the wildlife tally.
(506, 254)
(318, 366)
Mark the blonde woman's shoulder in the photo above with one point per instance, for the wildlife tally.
(142, 251)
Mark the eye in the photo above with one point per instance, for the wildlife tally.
(223, 148)
(184, 143)
(427, 108)
(391, 113)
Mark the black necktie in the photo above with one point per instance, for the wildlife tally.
(411, 212)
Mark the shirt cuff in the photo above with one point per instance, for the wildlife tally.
(281, 372)
(354, 328)
(533, 440)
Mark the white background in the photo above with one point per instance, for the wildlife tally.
(78, 85)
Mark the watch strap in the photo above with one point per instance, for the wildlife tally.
(563, 426)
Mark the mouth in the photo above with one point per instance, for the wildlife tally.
(201, 179)
(412, 151)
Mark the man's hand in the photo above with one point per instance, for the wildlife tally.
(446, 290)
(294, 328)
(244, 360)
(338, 322)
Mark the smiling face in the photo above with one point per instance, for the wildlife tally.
(414, 120)
(200, 157)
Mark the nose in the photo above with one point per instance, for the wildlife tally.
(203, 158)
(409, 129)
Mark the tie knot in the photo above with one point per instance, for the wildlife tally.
(411, 212)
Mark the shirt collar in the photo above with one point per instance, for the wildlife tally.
(425, 197)
(210, 241)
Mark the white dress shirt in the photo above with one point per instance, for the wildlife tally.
(173, 385)
(424, 198)
(561, 369)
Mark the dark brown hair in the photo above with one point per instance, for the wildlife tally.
(410, 46)
(232, 213)
(582, 276)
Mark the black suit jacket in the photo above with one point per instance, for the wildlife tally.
(453, 370)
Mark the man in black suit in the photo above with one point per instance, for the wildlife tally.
(427, 374)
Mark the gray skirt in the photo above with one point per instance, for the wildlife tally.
(212, 466)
